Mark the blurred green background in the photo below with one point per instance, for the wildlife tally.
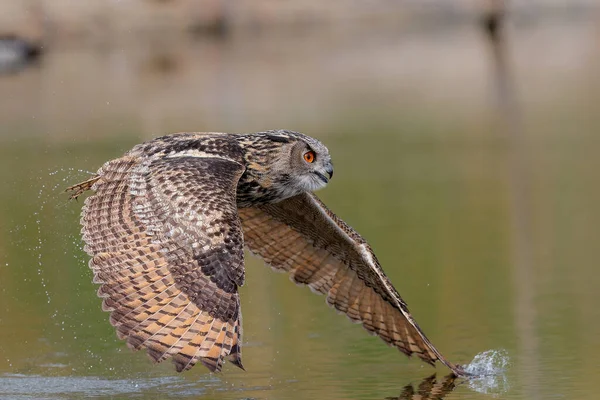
(471, 168)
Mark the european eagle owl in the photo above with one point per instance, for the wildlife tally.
(166, 230)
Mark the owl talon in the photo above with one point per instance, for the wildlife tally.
(80, 188)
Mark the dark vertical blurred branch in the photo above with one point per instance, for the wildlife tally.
(494, 26)
(518, 177)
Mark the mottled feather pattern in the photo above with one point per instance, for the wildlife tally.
(166, 229)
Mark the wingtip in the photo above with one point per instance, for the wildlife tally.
(238, 363)
(459, 371)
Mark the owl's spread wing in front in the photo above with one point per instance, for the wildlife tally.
(301, 236)
(167, 247)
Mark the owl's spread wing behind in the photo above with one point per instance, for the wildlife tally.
(301, 236)
(167, 248)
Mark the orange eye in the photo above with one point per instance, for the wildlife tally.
(309, 156)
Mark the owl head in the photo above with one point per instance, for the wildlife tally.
(297, 163)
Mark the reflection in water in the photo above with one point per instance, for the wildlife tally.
(429, 388)
(490, 384)
(489, 368)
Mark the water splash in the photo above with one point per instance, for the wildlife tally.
(49, 194)
(490, 362)
(489, 369)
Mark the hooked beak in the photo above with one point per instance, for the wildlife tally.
(328, 170)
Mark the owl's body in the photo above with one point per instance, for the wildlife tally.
(167, 227)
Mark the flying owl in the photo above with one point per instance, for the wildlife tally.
(166, 230)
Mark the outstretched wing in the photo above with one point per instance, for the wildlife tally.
(301, 236)
(167, 248)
